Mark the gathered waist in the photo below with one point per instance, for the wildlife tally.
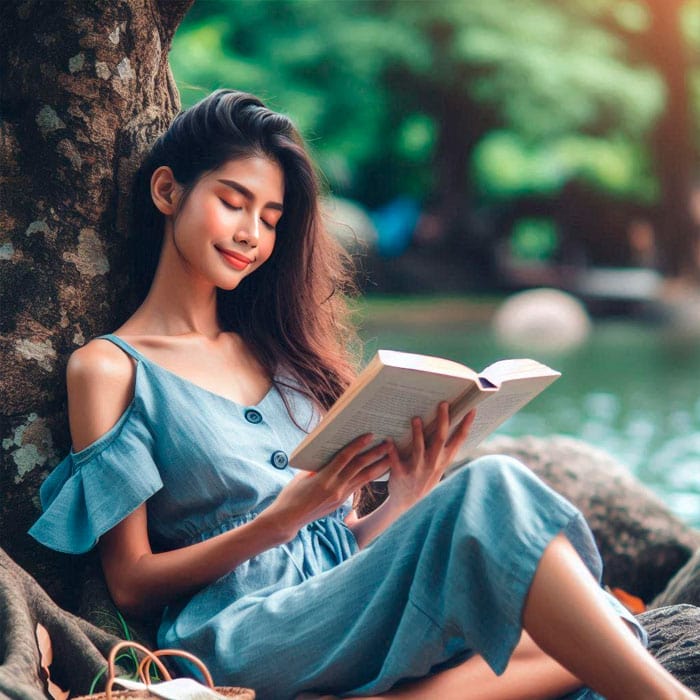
(233, 522)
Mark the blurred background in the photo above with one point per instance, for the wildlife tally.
(514, 177)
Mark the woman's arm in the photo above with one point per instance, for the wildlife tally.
(141, 581)
(414, 475)
(100, 387)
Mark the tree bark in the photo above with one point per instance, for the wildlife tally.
(85, 87)
(672, 145)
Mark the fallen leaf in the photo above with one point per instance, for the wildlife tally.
(632, 603)
(43, 641)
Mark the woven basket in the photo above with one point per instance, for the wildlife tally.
(152, 657)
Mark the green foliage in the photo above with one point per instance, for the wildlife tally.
(507, 165)
(552, 89)
(534, 240)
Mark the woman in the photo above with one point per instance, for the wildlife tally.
(182, 421)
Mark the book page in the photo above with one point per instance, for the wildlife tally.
(497, 407)
(384, 407)
(503, 370)
(425, 363)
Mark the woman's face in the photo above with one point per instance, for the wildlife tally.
(225, 228)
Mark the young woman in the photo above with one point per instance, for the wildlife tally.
(182, 422)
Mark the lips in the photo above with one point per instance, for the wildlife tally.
(236, 260)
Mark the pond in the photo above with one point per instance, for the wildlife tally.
(632, 388)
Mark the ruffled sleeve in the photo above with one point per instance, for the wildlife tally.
(94, 489)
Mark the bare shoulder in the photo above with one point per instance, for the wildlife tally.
(100, 380)
(99, 363)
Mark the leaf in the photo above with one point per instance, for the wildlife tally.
(45, 659)
(632, 603)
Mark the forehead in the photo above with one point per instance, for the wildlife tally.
(262, 176)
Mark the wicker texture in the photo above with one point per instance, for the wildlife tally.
(153, 657)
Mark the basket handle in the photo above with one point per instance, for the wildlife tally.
(145, 664)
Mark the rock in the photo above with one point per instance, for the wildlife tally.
(642, 543)
(684, 587)
(544, 320)
(349, 224)
(674, 639)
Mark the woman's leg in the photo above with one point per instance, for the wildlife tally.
(566, 615)
(530, 675)
(568, 618)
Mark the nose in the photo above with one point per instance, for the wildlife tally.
(248, 231)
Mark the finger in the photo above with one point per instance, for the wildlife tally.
(372, 472)
(418, 439)
(461, 432)
(440, 433)
(349, 452)
(344, 472)
(442, 429)
(393, 457)
(365, 459)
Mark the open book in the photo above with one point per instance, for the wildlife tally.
(395, 386)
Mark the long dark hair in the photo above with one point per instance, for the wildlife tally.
(292, 311)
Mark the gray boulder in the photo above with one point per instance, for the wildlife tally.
(642, 543)
(684, 587)
(674, 639)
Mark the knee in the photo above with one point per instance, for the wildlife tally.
(498, 470)
(502, 479)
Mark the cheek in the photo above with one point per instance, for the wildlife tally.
(211, 217)
(268, 245)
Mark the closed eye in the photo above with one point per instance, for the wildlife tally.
(268, 225)
(228, 205)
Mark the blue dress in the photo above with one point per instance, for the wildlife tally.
(446, 580)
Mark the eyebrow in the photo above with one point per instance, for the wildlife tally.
(242, 189)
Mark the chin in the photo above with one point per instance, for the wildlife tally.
(228, 286)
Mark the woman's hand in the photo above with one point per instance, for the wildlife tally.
(311, 495)
(415, 473)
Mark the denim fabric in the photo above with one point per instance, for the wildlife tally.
(446, 580)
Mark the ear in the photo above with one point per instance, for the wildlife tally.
(165, 190)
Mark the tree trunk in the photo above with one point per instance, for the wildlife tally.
(673, 147)
(85, 86)
(458, 133)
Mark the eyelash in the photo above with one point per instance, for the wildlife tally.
(230, 206)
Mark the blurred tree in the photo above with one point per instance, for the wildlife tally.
(673, 144)
(399, 97)
(654, 33)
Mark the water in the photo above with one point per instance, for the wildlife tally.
(632, 389)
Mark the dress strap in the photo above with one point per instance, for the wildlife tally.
(128, 349)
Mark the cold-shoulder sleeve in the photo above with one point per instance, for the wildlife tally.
(94, 489)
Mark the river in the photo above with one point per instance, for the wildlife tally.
(632, 388)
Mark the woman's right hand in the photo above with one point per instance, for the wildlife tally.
(311, 495)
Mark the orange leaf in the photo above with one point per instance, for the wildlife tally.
(631, 602)
(46, 657)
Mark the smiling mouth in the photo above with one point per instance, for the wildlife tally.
(237, 261)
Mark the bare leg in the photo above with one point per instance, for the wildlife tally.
(569, 619)
(530, 675)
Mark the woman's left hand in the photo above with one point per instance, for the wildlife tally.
(414, 474)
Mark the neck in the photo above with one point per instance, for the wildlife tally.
(178, 302)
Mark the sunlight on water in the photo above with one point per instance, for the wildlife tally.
(631, 390)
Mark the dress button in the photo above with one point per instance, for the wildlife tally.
(253, 416)
(279, 459)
